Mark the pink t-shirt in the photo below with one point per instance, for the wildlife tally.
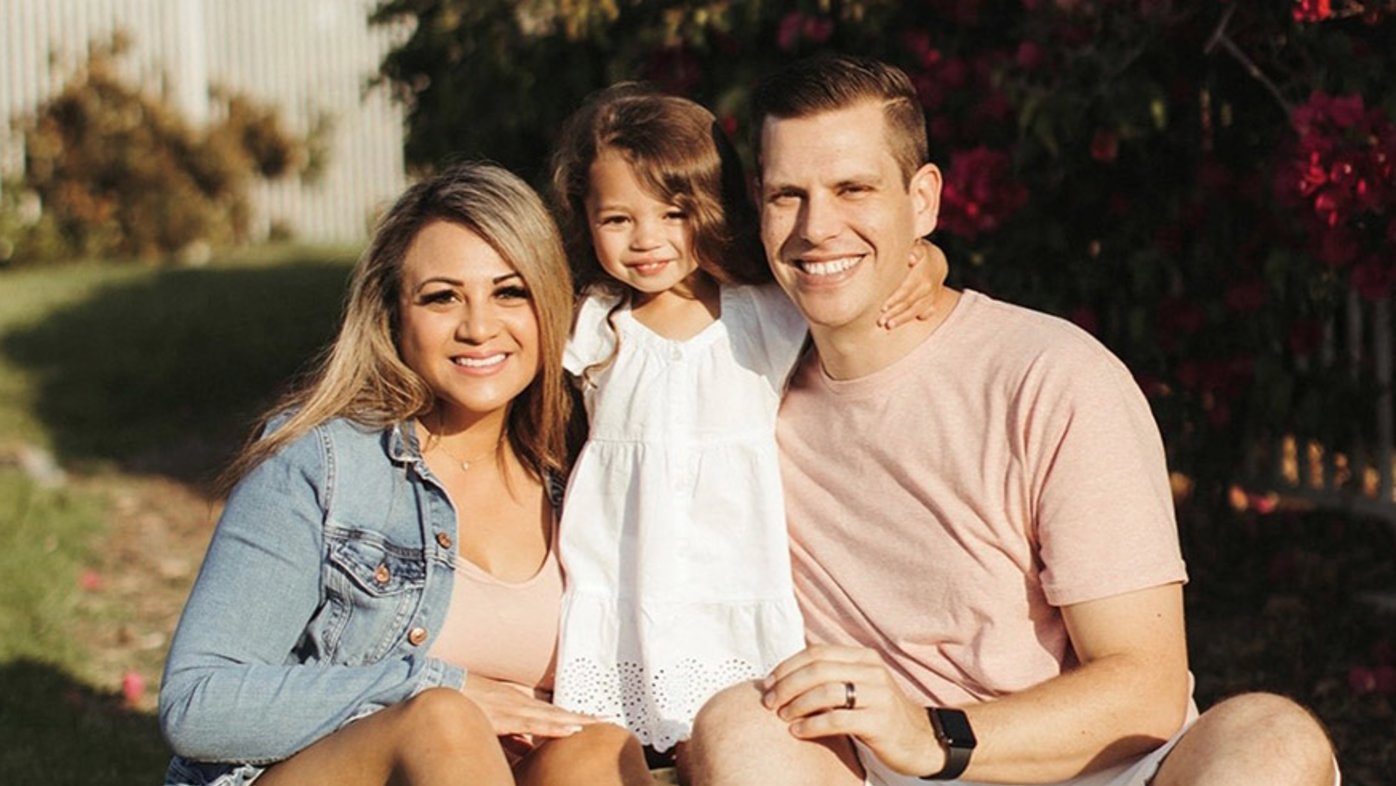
(941, 508)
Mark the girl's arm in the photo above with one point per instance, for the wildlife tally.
(231, 690)
(915, 296)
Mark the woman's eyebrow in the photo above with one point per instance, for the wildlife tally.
(506, 277)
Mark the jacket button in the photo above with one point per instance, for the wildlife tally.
(416, 636)
(443, 540)
(382, 575)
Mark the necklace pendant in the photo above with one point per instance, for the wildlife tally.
(465, 465)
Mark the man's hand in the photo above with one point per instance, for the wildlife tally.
(915, 297)
(810, 691)
(514, 712)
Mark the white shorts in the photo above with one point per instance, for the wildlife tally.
(1135, 773)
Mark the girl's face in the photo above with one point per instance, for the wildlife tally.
(467, 322)
(643, 242)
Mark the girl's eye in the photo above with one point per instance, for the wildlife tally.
(675, 215)
(613, 220)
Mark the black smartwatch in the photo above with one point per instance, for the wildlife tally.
(954, 733)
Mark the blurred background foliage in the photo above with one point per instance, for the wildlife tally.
(1207, 185)
(113, 170)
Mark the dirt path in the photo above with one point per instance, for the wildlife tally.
(139, 576)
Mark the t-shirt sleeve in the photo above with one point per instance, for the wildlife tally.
(779, 331)
(592, 337)
(1104, 508)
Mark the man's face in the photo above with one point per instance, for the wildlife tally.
(836, 220)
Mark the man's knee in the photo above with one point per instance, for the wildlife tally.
(735, 716)
(736, 740)
(1276, 718)
(1252, 738)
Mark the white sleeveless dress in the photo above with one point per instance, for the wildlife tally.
(673, 537)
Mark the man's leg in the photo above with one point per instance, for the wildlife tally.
(1254, 738)
(736, 741)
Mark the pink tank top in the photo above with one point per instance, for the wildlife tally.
(502, 630)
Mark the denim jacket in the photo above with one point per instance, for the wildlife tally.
(323, 588)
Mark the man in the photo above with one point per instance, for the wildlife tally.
(981, 526)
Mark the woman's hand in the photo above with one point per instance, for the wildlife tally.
(813, 690)
(916, 295)
(514, 713)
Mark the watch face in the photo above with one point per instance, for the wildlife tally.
(954, 728)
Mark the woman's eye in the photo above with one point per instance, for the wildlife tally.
(512, 293)
(433, 298)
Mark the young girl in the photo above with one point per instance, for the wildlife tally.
(673, 537)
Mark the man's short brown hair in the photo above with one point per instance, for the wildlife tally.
(826, 83)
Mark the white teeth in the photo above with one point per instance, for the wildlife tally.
(829, 268)
(492, 360)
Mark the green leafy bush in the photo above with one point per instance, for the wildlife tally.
(117, 172)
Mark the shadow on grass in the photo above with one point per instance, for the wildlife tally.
(58, 730)
(165, 373)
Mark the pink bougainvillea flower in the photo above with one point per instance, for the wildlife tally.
(1312, 10)
(1244, 297)
(1086, 319)
(1105, 146)
(1373, 279)
(1304, 337)
(132, 688)
(980, 192)
(89, 580)
(1030, 56)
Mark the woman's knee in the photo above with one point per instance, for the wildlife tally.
(447, 720)
(602, 744)
(601, 753)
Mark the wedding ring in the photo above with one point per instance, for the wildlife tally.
(850, 696)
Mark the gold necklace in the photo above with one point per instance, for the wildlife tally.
(464, 464)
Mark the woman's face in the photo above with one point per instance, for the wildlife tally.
(467, 325)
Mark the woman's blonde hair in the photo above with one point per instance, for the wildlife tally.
(362, 377)
(679, 152)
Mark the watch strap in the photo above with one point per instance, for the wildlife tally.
(956, 756)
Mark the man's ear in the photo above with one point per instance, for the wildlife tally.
(925, 198)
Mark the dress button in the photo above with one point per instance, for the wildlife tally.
(443, 540)
(382, 575)
(416, 636)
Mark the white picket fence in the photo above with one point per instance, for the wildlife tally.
(1358, 472)
(306, 57)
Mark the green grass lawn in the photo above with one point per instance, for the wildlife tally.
(118, 370)
(58, 727)
(157, 369)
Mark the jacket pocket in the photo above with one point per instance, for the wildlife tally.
(373, 589)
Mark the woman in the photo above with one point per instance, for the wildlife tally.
(379, 602)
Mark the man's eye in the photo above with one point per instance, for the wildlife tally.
(782, 198)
